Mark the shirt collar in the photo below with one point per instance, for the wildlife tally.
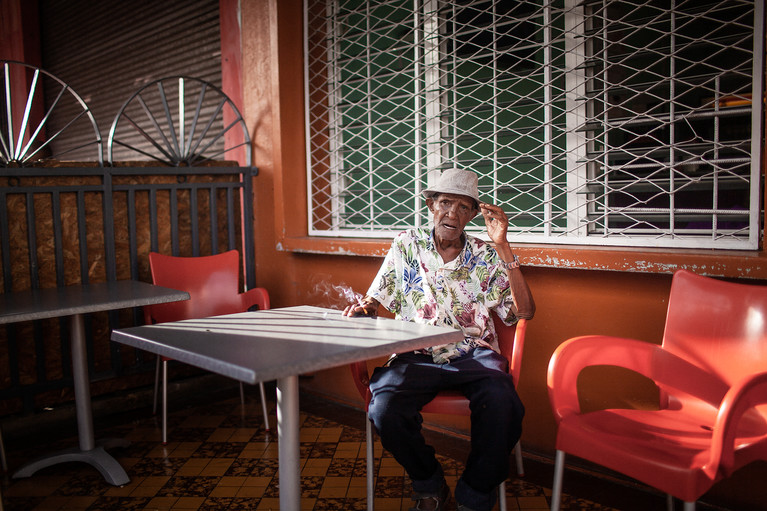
(432, 246)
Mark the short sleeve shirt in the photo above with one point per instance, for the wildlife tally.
(416, 285)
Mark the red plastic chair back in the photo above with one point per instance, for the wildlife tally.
(719, 326)
(211, 281)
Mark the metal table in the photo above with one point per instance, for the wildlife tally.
(280, 344)
(75, 301)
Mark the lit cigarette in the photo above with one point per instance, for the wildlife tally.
(362, 304)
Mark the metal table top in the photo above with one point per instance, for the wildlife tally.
(266, 345)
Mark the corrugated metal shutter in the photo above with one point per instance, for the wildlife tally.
(106, 50)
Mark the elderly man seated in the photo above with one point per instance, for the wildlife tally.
(444, 276)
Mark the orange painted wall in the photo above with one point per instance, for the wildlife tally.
(577, 290)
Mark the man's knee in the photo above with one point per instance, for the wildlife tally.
(500, 396)
(377, 411)
(392, 421)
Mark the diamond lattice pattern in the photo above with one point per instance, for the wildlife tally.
(596, 122)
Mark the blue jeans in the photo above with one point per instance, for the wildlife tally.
(402, 388)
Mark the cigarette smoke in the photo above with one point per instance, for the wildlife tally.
(331, 295)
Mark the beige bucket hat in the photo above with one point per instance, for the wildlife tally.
(455, 181)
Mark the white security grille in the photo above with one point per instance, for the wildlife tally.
(591, 122)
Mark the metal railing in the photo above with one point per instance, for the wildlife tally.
(62, 226)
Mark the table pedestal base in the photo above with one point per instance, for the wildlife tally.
(109, 468)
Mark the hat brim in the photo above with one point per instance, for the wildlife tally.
(429, 193)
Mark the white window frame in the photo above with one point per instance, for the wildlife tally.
(434, 152)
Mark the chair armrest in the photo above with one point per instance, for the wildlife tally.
(511, 344)
(256, 296)
(672, 374)
(737, 413)
(574, 355)
(515, 361)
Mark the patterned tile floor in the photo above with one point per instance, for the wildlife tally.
(219, 457)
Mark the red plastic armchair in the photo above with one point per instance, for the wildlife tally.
(711, 371)
(511, 341)
(213, 284)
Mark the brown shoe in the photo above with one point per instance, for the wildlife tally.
(425, 502)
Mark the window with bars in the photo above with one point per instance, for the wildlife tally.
(609, 122)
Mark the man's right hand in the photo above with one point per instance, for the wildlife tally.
(367, 307)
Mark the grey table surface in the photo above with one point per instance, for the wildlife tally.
(266, 345)
(82, 299)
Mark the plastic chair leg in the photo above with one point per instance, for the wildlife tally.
(520, 473)
(164, 402)
(164, 376)
(556, 490)
(263, 405)
(518, 458)
(263, 402)
(3, 460)
(369, 462)
(156, 384)
(688, 506)
(502, 496)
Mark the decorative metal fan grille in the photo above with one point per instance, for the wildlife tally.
(178, 121)
(35, 129)
(610, 122)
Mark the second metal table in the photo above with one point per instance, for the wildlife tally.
(75, 301)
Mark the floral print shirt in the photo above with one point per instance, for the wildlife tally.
(416, 285)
